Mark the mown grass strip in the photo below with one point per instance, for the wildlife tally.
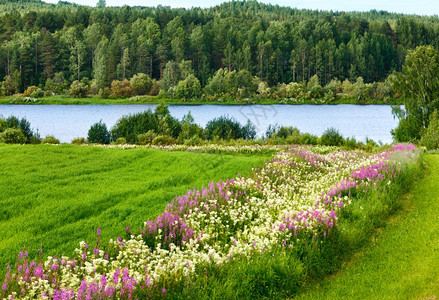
(402, 260)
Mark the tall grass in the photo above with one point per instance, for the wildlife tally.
(52, 197)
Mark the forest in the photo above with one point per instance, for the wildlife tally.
(238, 48)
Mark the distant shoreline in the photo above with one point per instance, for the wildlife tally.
(62, 100)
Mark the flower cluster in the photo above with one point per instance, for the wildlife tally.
(295, 197)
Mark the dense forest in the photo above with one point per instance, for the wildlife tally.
(240, 46)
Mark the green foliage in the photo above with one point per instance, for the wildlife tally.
(8, 86)
(79, 141)
(189, 88)
(22, 124)
(309, 139)
(280, 45)
(162, 140)
(418, 85)
(141, 84)
(12, 136)
(331, 137)
(98, 133)
(121, 88)
(146, 138)
(233, 83)
(119, 141)
(78, 89)
(50, 140)
(160, 121)
(313, 87)
(226, 128)
(33, 91)
(189, 129)
(430, 136)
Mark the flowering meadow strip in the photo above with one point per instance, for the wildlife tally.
(294, 198)
(209, 148)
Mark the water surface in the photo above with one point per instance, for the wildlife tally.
(66, 122)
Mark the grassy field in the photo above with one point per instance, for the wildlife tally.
(52, 197)
(155, 100)
(401, 261)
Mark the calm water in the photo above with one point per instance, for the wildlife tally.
(66, 122)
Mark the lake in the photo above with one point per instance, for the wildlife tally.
(66, 122)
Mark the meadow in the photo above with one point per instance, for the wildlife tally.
(269, 233)
(52, 197)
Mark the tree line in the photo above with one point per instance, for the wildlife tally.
(51, 46)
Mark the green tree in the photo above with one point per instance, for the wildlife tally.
(430, 136)
(100, 66)
(141, 84)
(418, 87)
(98, 133)
(189, 88)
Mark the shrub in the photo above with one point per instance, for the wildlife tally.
(78, 89)
(189, 129)
(50, 140)
(350, 143)
(155, 88)
(188, 88)
(141, 84)
(248, 132)
(104, 93)
(309, 139)
(120, 141)
(430, 136)
(12, 136)
(331, 137)
(30, 90)
(223, 128)
(121, 88)
(78, 141)
(8, 86)
(146, 138)
(98, 133)
(162, 140)
(23, 124)
(160, 121)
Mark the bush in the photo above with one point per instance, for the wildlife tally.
(121, 88)
(430, 136)
(159, 121)
(162, 140)
(30, 90)
(120, 141)
(331, 137)
(23, 124)
(146, 138)
(223, 128)
(189, 88)
(104, 93)
(50, 140)
(78, 141)
(155, 88)
(99, 134)
(12, 136)
(78, 89)
(309, 139)
(141, 84)
(350, 143)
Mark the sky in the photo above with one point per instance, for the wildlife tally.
(420, 7)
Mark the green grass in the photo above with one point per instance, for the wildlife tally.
(53, 197)
(154, 100)
(402, 259)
